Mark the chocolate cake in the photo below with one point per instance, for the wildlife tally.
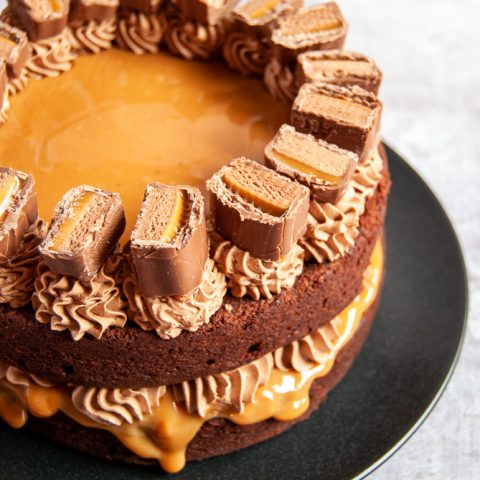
(223, 307)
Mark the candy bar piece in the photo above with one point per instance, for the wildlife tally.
(321, 166)
(340, 68)
(348, 117)
(206, 11)
(92, 10)
(18, 209)
(169, 242)
(41, 19)
(85, 229)
(258, 209)
(145, 6)
(3, 83)
(321, 27)
(14, 49)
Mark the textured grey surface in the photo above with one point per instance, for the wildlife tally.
(429, 51)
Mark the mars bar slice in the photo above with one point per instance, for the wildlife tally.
(18, 209)
(321, 27)
(145, 6)
(85, 229)
(14, 49)
(41, 19)
(206, 11)
(340, 68)
(325, 168)
(169, 242)
(92, 10)
(258, 209)
(348, 117)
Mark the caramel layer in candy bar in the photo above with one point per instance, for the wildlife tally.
(145, 6)
(41, 18)
(321, 27)
(169, 243)
(206, 11)
(14, 49)
(18, 209)
(85, 229)
(340, 68)
(345, 116)
(258, 209)
(325, 168)
(92, 10)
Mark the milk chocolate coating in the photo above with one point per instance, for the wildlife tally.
(22, 212)
(84, 263)
(359, 139)
(19, 54)
(174, 268)
(321, 191)
(265, 236)
(204, 12)
(370, 79)
(145, 6)
(39, 24)
(92, 10)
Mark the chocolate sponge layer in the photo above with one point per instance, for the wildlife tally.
(241, 331)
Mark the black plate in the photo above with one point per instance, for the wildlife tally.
(397, 379)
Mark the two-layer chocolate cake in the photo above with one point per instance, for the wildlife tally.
(189, 261)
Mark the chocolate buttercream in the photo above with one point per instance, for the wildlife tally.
(20, 380)
(169, 316)
(246, 54)
(17, 273)
(4, 107)
(93, 36)
(116, 406)
(280, 81)
(88, 307)
(16, 85)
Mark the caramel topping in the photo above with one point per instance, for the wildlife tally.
(266, 190)
(340, 109)
(10, 185)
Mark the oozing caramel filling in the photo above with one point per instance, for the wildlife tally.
(164, 435)
(174, 219)
(9, 186)
(264, 9)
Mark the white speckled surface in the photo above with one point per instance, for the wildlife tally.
(429, 51)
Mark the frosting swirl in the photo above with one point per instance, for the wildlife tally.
(333, 228)
(280, 81)
(93, 36)
(246, 54)
(191, 39)
(249, 275)
(225, 392)
(80, 307)
(20, 379)
(16, 85)
(169, 316)
(116, 406)
(50, 57)
(139, 32)
(5, 108)
(17, 274)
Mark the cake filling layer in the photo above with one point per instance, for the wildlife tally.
(164, 434)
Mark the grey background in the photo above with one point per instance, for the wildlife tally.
(429, 51)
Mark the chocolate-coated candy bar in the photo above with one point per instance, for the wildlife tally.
(41, 19)
(345, 116)
(92, 10)
(14, 49)
(258, 209)
(18, 209)
(340, 68)
(321, 27)
(85, 229)
(206, 11)
(145, 6)
(325, 168)
(169, 243)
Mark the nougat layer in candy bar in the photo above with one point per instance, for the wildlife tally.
(325, 168)
(14, 49)
(41, 19)
(169, 243)
(340, 68)
(93, 10)
(348, 117)
(257, 209)
(145, 6)
(321, 27)
(18, 209)
(85, 230)
(206, 11)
